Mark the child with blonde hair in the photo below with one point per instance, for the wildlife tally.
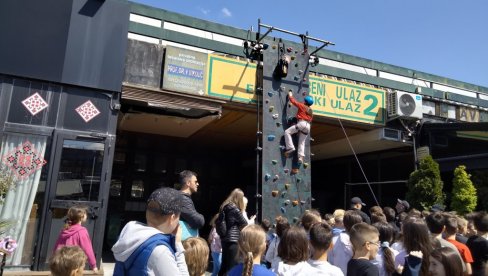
(75, 234)
(67, 261)
(252, 244)
(196, 255)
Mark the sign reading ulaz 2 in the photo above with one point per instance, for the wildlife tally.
(347, 101)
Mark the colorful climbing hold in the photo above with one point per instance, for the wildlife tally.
(303, 202)
(292, 57)
(286, 202)
(283, 194)
(295, 219)
(296, 64)
(304, 79)
(276, 177)
(298, 179)
(271, 137)
(274, 46)
(275, 116)
(287, 186)
(294, 202)
(266, 101)
(300, 72)
(286, 170)
(270, 93)
(275, 193)
(305, 165)
(271, 108)
(296, 78)
(283, 210)
(274, 162)
(267, 177)
(278, 124)
(294, 171)
(289, 49)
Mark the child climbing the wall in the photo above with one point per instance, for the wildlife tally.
(304, 118)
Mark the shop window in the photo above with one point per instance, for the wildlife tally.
(33, 103)
(160, 164)
(137, 190)
(115, 188)
(140, 162)
(23, 159)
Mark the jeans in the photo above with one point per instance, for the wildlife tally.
(217, 260)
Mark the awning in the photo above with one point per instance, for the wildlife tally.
(171, 103)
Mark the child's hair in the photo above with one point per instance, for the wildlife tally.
(196, 255)
(252, 242)
(66, 260)
(451, 225)
(329, 218)
(378, 217)
(351, 217)
(266, 224)
(75, 215)
(362, 233)
(436, 222)
(293, 246)
(449, 259)
(387, 234)
(321, 236)
(282, 224)
(309, 218)
(414, 213)
(236, 197)
(375, 210)
(389, 214)
(416, 238)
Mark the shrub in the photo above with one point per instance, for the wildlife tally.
(425, 185)
(463, 198)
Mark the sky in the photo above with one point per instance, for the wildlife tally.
(448, 38)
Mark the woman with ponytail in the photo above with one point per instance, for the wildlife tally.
(385, 259)
(75, 234)
(251, 247)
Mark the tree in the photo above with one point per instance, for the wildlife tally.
(425, 185)
(463, 192)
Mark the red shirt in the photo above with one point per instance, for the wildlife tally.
(302, 113)
(463, 250)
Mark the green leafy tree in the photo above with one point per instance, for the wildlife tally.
(425, 185)
(480, 181)
(463, 198)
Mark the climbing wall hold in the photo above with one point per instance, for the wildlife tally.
(295, 219)
(278, 124)
(267, 177)
(294, 202)
(289, 49)
(311, 139)
(300, 72)
(296, 64)
(303, 202)
(274, 162)
(294, 171)
(286, 202)
(312, 199)
(287, 186)
(283, 194)
(270, 93)
(271, 137)
(276, 177)
(266, 101)
(275, 193)
(283, 210)
(271, 108)
(296, 78)
(274, 46)
(305, 165)
(282, 147)
(282, 88)
(286, 170)
(289, 105)
(299, 179)
(275, 116)
(304, 93)
(304, 79)
(292, 57)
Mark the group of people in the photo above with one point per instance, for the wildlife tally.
(384, 241)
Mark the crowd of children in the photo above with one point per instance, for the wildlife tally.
(405, 242)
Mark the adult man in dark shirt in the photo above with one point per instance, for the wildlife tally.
(357, 204)
(190, 219)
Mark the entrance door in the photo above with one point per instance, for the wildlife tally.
(77, 177)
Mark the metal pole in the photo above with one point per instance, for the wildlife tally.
(297, 34)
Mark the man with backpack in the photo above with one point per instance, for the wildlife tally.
(155, 248)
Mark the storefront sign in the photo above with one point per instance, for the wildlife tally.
(24, 161)
(231, 79)
(184, 70)
(347, 101)
(468, 114)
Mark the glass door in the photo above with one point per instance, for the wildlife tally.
(78, 177)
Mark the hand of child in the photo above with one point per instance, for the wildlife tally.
(290, 94)
(177, 232)
(96, 271)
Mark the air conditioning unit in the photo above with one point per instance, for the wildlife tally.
(404, 105)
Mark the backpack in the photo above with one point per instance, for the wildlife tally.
(220, 225)
(136, 264)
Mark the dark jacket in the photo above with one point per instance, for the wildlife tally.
(363, 215)
(234, 221)
(189, 214)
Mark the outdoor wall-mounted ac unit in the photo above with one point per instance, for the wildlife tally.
(404, 105)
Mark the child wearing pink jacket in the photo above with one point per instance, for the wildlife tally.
(75, 234)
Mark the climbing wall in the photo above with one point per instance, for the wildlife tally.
(286, 187)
